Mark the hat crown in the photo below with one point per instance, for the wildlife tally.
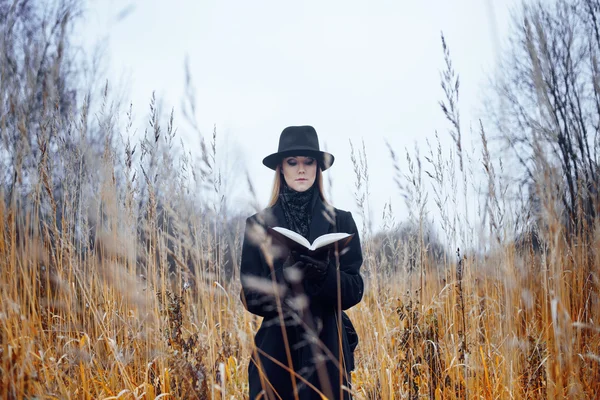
(298, 137)
(299, 141)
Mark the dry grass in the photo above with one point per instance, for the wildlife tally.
(506, 325)
(118, 313)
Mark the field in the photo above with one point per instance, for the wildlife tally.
(137, 310)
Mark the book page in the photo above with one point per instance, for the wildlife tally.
(328, 238)
(296, 237)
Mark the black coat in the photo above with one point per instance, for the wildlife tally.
(315, 361)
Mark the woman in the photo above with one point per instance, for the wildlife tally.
(304, 346)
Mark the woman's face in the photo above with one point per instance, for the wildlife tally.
(299, 172)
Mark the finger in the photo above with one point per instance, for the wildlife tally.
(299, 265)
(307, 258)
(317, 263)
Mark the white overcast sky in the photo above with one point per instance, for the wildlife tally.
(353, 69)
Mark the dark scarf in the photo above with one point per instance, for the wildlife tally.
(297, 208)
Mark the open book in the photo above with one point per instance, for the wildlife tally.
(295, 241)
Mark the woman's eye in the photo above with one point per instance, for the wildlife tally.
(291, 162)
(310, 161)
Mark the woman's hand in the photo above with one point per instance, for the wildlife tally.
(315, 269)
(293, 261)
(292, 268)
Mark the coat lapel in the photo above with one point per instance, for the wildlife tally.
(321, 222)
(280, 220)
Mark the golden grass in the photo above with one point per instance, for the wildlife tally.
(119, 288)
(74, 326)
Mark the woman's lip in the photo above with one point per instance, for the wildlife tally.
(301, 179)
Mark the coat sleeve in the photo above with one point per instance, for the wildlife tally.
(350, 261)
(257, 292)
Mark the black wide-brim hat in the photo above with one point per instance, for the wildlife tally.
(299, 141)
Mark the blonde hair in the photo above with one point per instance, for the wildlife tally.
(277, 182)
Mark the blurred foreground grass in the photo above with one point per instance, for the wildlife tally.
(512, 324)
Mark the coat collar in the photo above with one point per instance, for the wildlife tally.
(321, 222)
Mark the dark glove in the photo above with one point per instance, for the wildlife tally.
(315, 269)
(293, 260)
(292, 268)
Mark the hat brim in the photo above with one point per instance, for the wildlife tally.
(324, 159)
